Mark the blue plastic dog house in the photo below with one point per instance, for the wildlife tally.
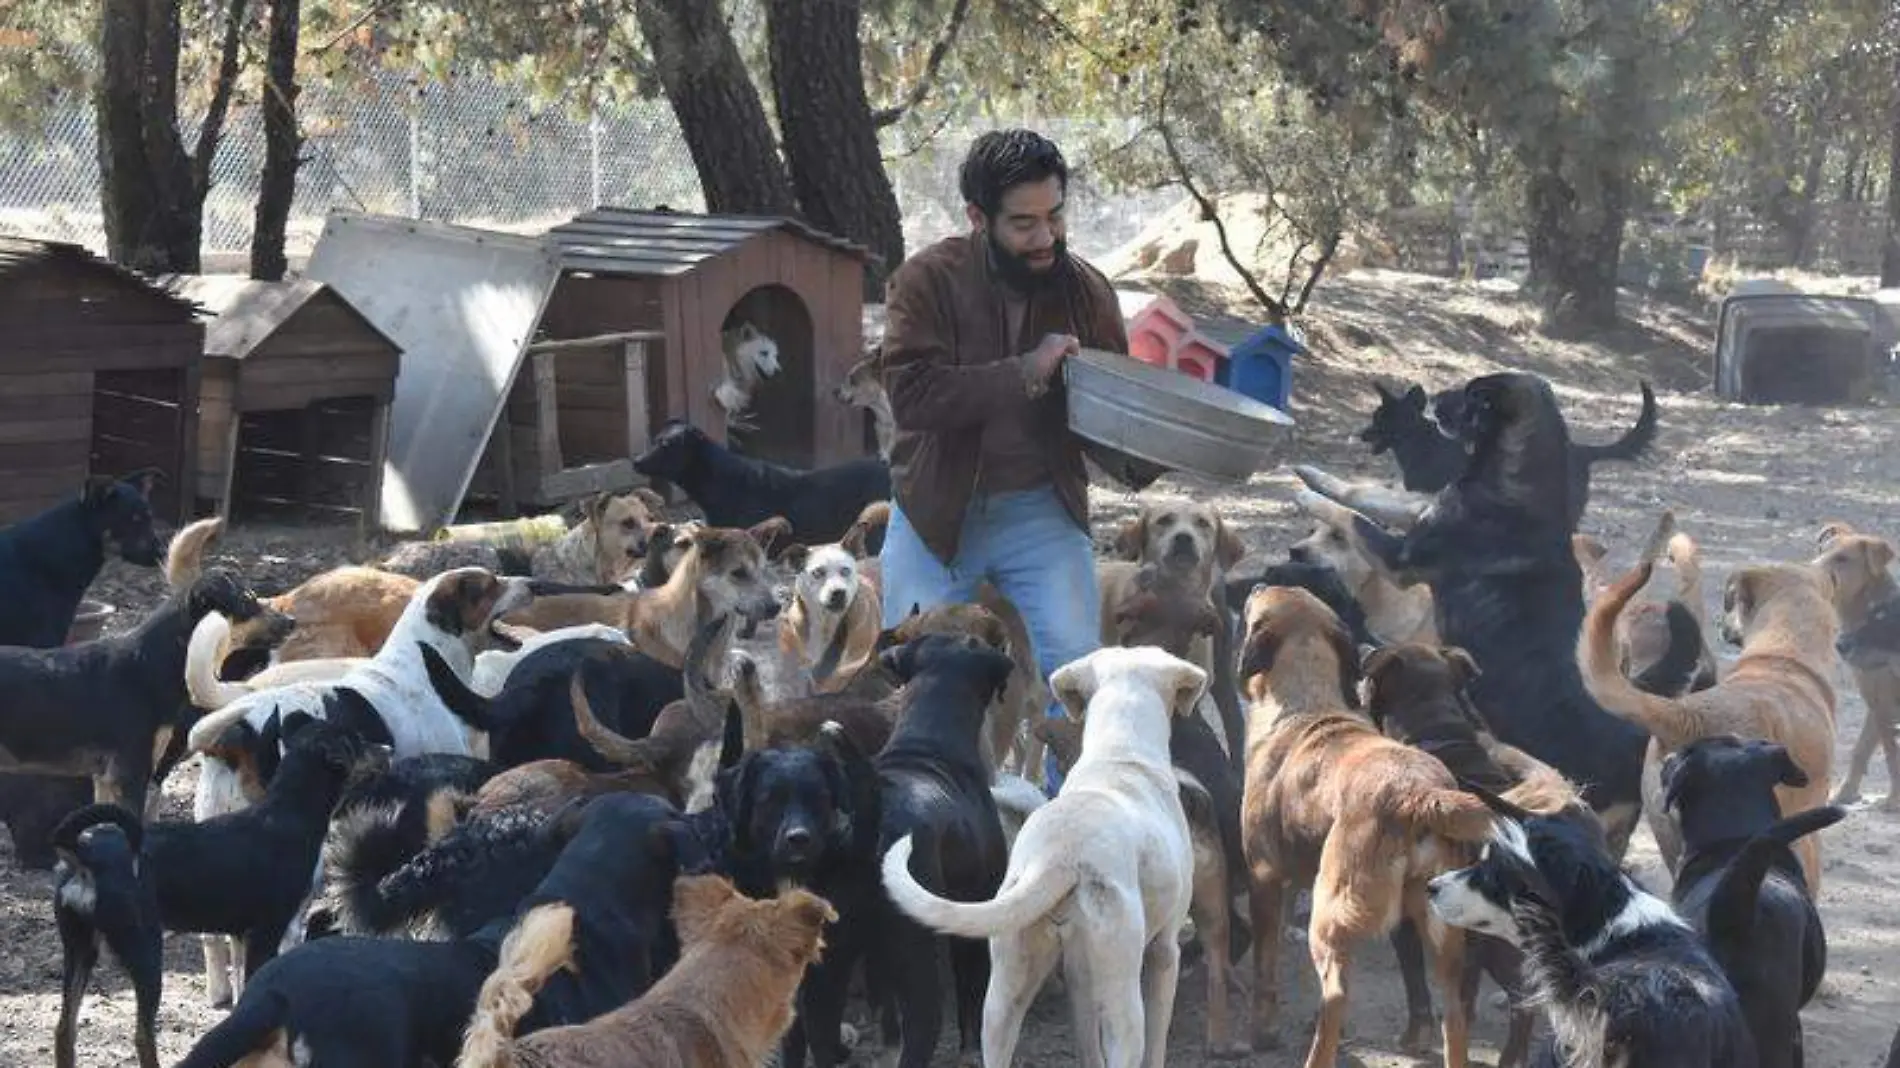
(1261, 367)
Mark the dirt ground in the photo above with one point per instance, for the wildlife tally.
(1753, 484)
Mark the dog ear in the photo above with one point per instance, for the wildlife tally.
(1073, 684)
(1787, 772)
(97, 490)
(1832, 532)
(1464, 666)
(795, 556)
(1256, 655)
(1229, 550)
(1415, 396)
(900, 660)
(145, 480)
(1738, 595)
(768, 533)
(1132, 538)
(697, 902)
(1348, 656)
(1385, 393)
(807, 910)
(655, 504)
(293, 723)
(1188, 684)
(595, 506)
(1879, 554)
(732, 790)
(1373, 660)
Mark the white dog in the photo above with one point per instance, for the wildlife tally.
(751, 357)
(451, 613)
(1100, 878)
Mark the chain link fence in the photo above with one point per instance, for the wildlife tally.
(476, 152)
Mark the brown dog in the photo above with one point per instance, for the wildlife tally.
(1416, 695)
(722, 571)
(1332, 804)
(863, 387)
(1858, 564)
(726, 1004)
(345, 612)
(1780, 691)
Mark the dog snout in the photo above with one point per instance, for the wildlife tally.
(835, 600)
(796, 845)
(1182, 544)
(1299, 554)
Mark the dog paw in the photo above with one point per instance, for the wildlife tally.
(1417, 1040)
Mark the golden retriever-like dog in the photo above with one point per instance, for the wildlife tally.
(1780, 690)
(1331, 803)
(726, 1004)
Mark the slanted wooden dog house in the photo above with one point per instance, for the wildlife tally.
(98, 375)
(295, 395)
(635, 322)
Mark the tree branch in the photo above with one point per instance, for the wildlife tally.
(213, 128)
(1327, 249)
(1209, 210)
(933, 65)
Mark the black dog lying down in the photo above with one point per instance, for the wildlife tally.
(1495, 547)
(359, 1001)
(1429, 461)
(1741, 885)
(244, 874)
(1622, 978)
(741, 492)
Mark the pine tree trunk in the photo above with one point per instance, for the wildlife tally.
(829, 133)
(128, 196)
(1576, 241)
(277, 186)
(718, 108)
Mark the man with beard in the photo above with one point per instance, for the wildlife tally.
(989, 482)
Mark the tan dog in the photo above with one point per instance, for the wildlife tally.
(832, 624)
(1394, 613)
(345, 612)
(608, 544)
(1858, 564)
(1780, 691)
(726, 1004)
(1642, 633)
(1333, 804)
(863, 387)
(723, 571)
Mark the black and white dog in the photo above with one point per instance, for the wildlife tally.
(1741, 886)
(1623, 979)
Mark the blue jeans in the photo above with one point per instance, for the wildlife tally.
(1029, 548)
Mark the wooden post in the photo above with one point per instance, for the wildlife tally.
(229, 480)
(378, 457)
(547, 415)
(639, 430)
(309, 423)
(188, 440)
(502, 455)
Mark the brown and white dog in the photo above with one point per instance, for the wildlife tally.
(832, 623)
(1859, 565)
(1332, 804)
(1780, 690)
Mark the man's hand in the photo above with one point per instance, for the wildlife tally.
(1047, 357)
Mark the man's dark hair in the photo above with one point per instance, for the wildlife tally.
(1002, 159)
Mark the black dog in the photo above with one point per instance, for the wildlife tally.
(1429, 461)
(361, 1001)
(936, 787)
(1621, 977)
(243, 874)
(532, 717)
(99, 708)
(48, 561)
(1682, 668)
(808, 816)
(1317, 579)
(741, 492)
(1741, 886)
(1495, 548)
(1876, 642)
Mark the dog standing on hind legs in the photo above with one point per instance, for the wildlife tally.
(1100, 878)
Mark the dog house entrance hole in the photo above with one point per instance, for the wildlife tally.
(1805, 365)
(781, 413)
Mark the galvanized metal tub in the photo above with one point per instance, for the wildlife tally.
(1171, 419)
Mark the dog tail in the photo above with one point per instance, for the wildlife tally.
(1686, 557)
(65, 837)
(1452, 814)
(541, 944)
(1016, 906)
(1635, 442)
(185, 556)
(1597, 656)
(366, 845)
(474, 851)
(253, 1026)
(1732, 905)
(212, 726)
(873, 520)
(210, 642)
(467, 705)
(612, 746)
(1672, 675)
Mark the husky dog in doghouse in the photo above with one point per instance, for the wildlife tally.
(751, 357)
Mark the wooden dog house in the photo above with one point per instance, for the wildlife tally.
(98, 375)
(295, 395)
(631, 337)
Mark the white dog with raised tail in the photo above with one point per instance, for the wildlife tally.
(1100, 878)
